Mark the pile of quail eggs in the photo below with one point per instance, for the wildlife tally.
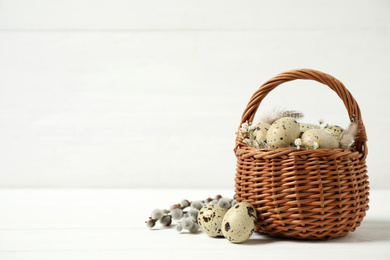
(217, 217)
(288, 132)
(236, 224)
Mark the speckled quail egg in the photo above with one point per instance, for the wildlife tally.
(303, 127)
(239, 222)
(283, 132)
(210, 219)
(334, 130)
(259, 134)
(317, 138)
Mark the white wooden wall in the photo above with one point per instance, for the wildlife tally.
(150, 93)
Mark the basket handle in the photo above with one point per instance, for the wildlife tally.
(338, 87)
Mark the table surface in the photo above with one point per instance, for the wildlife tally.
(110, 224)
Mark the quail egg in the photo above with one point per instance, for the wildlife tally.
(238, 223)
(259, 134)
(317, 138)
(303, 127)
(334, 130)
(210, 219)
(283, 132)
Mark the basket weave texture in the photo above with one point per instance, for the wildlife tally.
(299, 193)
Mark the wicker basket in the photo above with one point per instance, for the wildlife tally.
(304, 194)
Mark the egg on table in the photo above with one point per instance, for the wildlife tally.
(282, 133)
(238, 224)
(210, 219)
(317, 138)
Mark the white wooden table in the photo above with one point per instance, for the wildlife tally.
(109, 224)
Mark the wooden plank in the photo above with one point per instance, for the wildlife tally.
(136, 109)
(108, 223)
(193, 15)
(79, 209)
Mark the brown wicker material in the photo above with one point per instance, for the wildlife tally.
(304, 194)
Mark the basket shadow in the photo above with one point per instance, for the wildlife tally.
(260, 241)
(369, 231)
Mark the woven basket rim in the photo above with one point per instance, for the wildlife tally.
(250, 152)
(295, 149)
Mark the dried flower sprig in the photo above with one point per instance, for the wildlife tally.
(246, 130)
(247, 135)
(298, 143)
